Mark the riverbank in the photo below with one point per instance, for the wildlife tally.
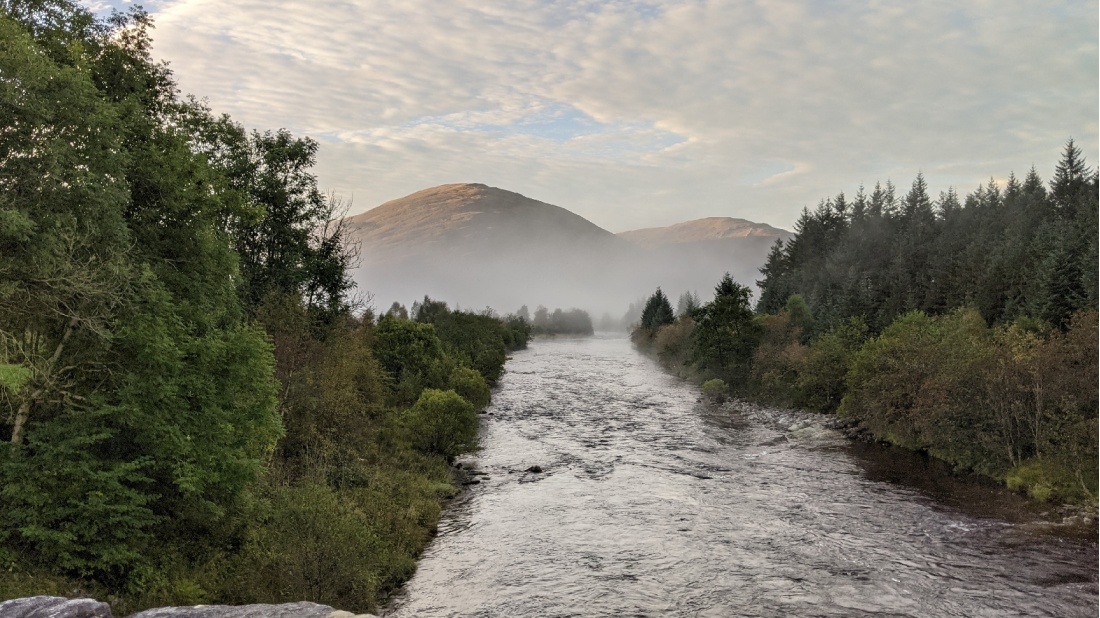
(977, 495)
(780, 366)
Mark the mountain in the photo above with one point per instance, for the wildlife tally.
(693, 255)
(703, 230)
(473, 245)
(474, 219)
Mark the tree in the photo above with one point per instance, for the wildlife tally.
(657, 311)
(397, 311)
(290, 238)
(1071, 178)
(687, 304)
(412, 354)
(443, 423)
(725, 334)
(150, 404)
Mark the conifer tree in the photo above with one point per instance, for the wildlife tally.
(657, 311)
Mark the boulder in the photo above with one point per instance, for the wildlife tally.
(302, 609)
(54, 607)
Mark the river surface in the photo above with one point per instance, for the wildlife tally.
(652, 503)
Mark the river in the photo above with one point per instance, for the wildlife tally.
(652, 503)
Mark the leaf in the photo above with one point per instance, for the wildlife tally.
(14, 377)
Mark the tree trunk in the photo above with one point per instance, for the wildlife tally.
(24, 411)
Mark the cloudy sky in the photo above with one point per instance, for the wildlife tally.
(637, 114)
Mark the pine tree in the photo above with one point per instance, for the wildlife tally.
(657, 311)
(1071, 178)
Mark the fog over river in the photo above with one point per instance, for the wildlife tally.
(651, 503)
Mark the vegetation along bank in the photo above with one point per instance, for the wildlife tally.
(964, 328)
(195, 407)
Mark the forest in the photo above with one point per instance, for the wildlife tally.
(965, 328)
(558, 321)
(197, 408)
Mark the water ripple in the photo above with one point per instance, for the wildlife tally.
(653, 504)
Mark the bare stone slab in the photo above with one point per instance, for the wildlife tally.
(54, 607)
(301, 609)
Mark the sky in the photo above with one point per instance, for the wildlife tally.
(641, 114)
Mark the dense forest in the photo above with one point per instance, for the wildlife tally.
(964, 328)
(196, 407)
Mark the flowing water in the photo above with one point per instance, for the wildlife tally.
(651, 503)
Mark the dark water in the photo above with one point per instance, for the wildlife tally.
(652, 504)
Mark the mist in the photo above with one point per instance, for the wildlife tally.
(475, 247)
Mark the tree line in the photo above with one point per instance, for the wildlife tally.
(964, 328)
(196, 406)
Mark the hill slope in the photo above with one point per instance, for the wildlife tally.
(702, 230)
(475, 219)
(474, 245)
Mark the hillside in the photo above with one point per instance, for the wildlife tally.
(702, 230)
(474, 219)
(473, 245)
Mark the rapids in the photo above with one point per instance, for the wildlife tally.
(653, 503)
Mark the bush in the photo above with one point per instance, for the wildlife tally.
(471, 386)
(442, 423)
(716, 389)
(673, 345)
(820, 384)
(310, 544)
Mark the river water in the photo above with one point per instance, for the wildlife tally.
(651, 503)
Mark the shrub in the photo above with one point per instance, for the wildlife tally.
(471, 386)
(820, 384)
(716, 389)
(310, 544)
(442, 423)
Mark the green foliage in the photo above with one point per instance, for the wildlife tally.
(725, 334)
(821, 380)
(716, 388)
(290, 239)
(471, 386)
(657, 312)
(1011, 251)
(412, 355)
(311, 543)
(1015, 401)
(442, 423)
(1043, 480)
(905, 383)
(1003, 402)
(14, 377)
(151, 405)
(71, 505)
(778, 358)
(192, 412)
(517, 332)
(477, 341)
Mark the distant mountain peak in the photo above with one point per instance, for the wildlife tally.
(474, 245)
(470, 217)
(702, 230)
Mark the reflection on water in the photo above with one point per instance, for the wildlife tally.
(652, 504)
